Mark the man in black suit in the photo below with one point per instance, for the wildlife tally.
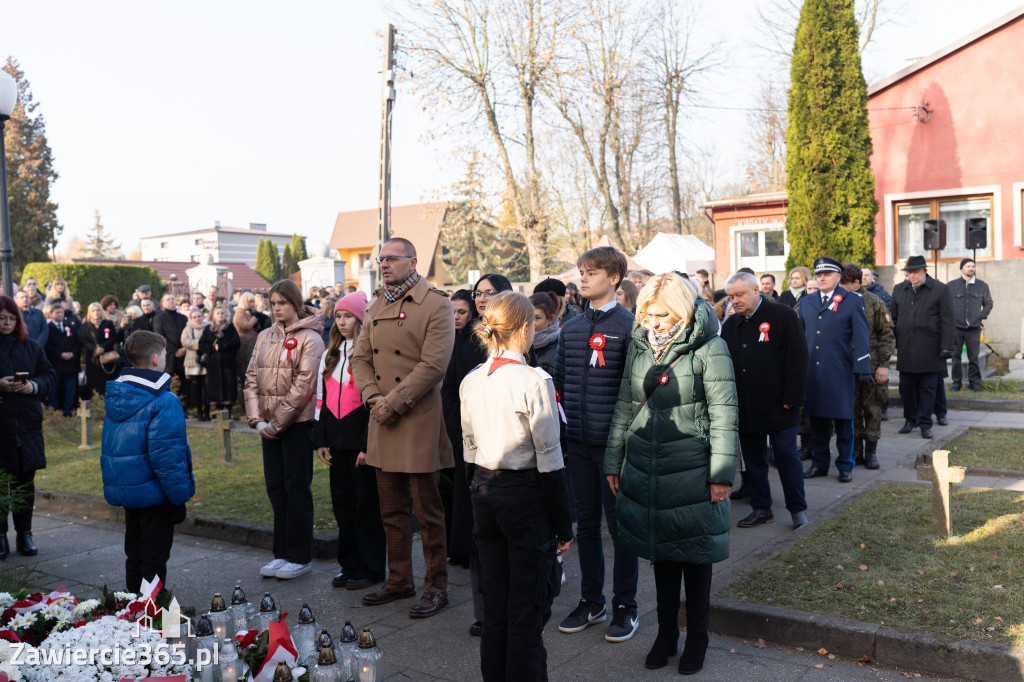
(922, 310)
(169, 323)
(64, 350)
(769, 354)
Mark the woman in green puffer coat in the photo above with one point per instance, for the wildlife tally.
(670, 458)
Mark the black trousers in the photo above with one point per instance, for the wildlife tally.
(972, 339)
(519, 573)
(197, 390)
(24, 484)
(148, 534)
(288, 473)
(917, 390)
(697, 578)
(361, 542)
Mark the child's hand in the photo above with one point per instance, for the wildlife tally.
(325, 455)
(361, 459)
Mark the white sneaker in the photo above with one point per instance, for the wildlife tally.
(270, 570)
(290, 570)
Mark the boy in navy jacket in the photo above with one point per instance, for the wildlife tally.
(591, 357)
(146, 461)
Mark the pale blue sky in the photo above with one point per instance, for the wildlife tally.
(168, 115)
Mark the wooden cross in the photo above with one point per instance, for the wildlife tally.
(222, 423)
(85, 414)
(942, 477)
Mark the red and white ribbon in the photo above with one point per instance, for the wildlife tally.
(106, 332)
(836, 300)
(597, 343)
(764, 329)
(561, 412)
(289, 345)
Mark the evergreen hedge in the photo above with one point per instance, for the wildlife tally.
(89, 283)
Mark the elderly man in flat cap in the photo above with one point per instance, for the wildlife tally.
(838, 344)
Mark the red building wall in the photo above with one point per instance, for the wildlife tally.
(973, 139)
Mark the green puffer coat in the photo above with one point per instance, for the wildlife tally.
(684, 440)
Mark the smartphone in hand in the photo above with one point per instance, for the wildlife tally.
(21, 377)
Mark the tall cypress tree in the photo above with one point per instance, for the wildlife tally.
(264, 263)
(289, 261)
(831, 187)
(275, 258)
(299, 252)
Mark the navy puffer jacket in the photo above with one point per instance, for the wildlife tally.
(589, 392)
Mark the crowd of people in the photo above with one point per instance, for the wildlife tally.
(622, 401)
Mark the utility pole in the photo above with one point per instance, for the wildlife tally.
(384, 172)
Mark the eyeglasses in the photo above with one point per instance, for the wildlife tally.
(490, 293)
(390, 259)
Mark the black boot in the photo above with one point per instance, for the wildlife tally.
(24, 543)
(692, 660)
(741, 493)
(858, 451)
(870, 460)
(805, 448)
(5, 547)
(666, 645)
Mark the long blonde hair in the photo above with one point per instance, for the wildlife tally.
(335, 340)
(671, 290)
(499, 327)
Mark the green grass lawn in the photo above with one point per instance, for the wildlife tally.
(988, 449)
(991, 389)
(877, 561)
(234, 491)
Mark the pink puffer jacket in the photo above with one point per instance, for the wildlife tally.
(281, 382)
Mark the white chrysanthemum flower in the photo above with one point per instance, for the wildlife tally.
(13, 671)
(129, 596)
(5, 600)
(86, 606)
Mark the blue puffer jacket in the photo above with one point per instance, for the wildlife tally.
(589, 393)
(145, 458)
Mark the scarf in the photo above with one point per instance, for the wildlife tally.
(797, 293)
(218, 329)
(660, 342)
(546, 336)
(397, 291)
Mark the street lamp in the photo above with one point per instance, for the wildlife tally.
(8, 98)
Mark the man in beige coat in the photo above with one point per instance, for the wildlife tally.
(398, 364)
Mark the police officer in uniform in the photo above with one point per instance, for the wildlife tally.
(867, 413)
(836, 328)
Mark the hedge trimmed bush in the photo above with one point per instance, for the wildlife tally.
(89, 282)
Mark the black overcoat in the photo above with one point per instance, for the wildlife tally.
(222, 367)
(924, 326)
(771, 371)
(65, 341)
(21, 416)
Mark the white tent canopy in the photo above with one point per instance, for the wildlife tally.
(683, 252)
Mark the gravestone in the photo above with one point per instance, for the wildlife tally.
(942, 477)
(222, 423)
(85, 414)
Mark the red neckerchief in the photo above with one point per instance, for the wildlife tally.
(501, 362)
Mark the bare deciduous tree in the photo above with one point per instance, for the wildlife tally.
(766, 171)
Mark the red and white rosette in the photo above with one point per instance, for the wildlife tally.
(764, 328)
(290, 344)
(836, 300)
(106, 333)
(597, 343)
(67, 330)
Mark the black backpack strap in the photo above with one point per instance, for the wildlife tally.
(650, 391)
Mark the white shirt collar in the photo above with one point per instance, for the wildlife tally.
(754, 311)
(607, 306)
(971, 280)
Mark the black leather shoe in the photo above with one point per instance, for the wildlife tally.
(926, 432)
(340, 580)
(362, 583)
(476, 629)
(907, 427)
(25, 544)
(799, 519)
(942, 421)
(756, 518)
(976, 389)
(815, 472)
(870, 458)
(740, 493)
(955, 387)
(845, 476)
(5, 547)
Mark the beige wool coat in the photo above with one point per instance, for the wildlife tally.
(278, 390)
(402, 354)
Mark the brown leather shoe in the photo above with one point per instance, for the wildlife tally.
(429, 604)
(389, 593)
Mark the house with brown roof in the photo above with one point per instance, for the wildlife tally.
(355, 239)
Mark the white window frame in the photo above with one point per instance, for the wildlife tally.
(734, 230)
(890, 201)
(1018, 219)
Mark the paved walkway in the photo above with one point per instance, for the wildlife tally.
(83, 553)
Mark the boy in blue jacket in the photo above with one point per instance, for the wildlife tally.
(589, 362)
(146, 461)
